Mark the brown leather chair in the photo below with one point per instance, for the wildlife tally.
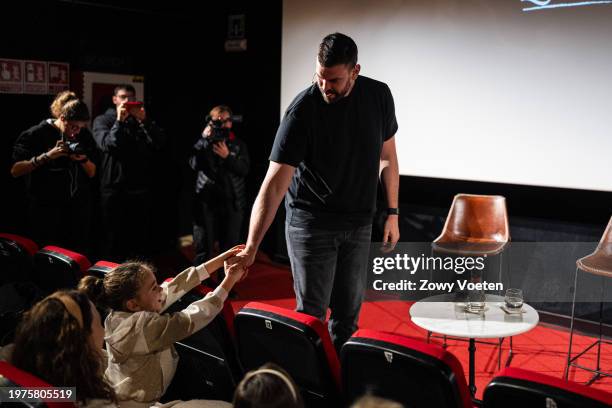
(598, 263)
(476, 225)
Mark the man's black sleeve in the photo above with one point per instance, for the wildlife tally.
(291, 141)
(110, 134)
(390, 120)
(238, 163)
(198, 158)
(156, 137)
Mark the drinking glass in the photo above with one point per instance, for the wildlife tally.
(514, 299)
(476, 301)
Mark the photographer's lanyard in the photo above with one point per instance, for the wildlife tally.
(73, 168)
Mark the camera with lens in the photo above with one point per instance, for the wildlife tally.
(74, 147)
(218, 133)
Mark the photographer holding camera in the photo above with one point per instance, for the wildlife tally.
(221, 161)
(130, 143)
(55, 158)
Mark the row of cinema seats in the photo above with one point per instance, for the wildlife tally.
(410, 371)
(397, 367)
(28, 273)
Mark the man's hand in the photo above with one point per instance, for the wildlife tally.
(390, 234)
(59, 150)
(122, 112)
(221, 149)
(207, 131)
(247, 258)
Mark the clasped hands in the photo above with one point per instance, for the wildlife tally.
(238, 261)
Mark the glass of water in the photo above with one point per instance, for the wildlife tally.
(514, 299)
(476, 301)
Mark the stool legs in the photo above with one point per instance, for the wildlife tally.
(597, 374)
(569, 351)
(598, 369)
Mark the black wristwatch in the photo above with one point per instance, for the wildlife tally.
(392, 211)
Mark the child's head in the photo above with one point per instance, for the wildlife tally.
(130, 287)
(370, 401)
(60, 341)
(267, 387)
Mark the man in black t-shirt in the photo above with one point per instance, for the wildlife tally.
(335, 139)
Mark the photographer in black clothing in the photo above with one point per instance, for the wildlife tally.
(130, 143)
(221, 162)
(57, 157)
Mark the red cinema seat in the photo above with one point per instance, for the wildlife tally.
(11, 376)
(295, 341)
(208, 366)
(101, 268)
(406, 370)
(515, 387)
(16, 254)
(59, 268)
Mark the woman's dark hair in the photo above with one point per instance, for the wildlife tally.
(337, 49)
(267, 387)
(52, 344)
(75, 110)
(118, 286)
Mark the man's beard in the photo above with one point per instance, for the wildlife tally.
(333, 92)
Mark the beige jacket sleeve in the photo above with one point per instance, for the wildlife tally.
(161, 331)
(183, 283)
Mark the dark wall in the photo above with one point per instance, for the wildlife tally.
(179, 49)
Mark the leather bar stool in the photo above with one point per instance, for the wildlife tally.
(476, 225)
(599, 263)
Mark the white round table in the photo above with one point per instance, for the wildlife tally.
(442, 314)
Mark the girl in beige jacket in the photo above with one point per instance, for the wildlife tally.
(139, 340)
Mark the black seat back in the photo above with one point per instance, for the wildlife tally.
(208, 367)
(58, 268)
(16, 258)
(515, 387)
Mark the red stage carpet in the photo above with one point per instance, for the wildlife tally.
(542, 349)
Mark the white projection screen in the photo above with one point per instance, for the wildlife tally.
(484, 91)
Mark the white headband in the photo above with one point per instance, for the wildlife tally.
(279, 375)
(71, 306)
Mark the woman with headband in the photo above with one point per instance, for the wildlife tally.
(267, 387)
(60, 341)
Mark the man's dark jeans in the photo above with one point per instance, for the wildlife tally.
(330, 269)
